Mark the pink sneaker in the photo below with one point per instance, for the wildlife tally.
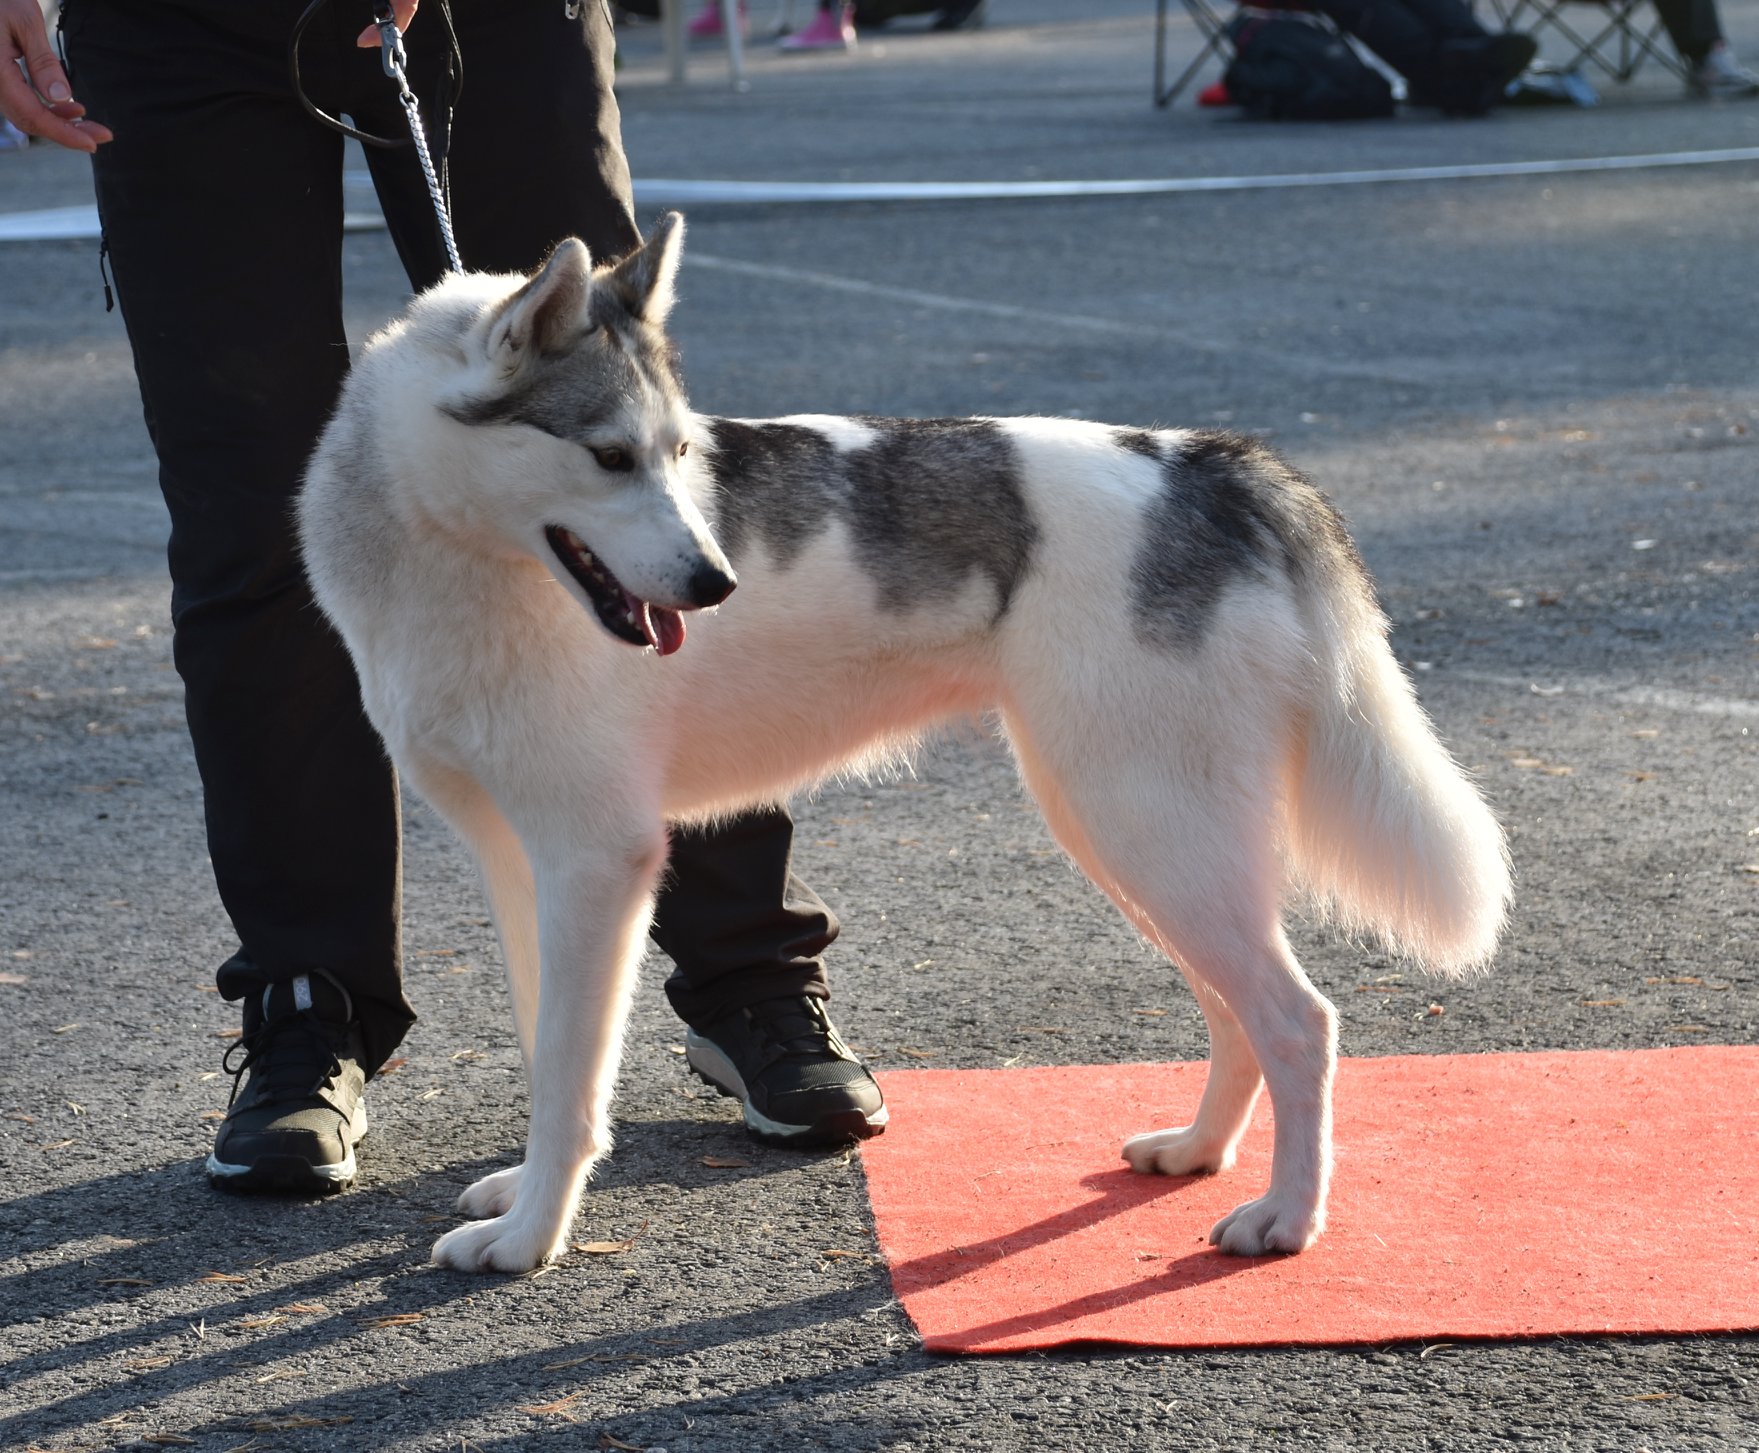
(707, 25)
(832, 29)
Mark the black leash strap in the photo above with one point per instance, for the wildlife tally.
(395, 59)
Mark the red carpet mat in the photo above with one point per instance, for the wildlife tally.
(1520, 1195)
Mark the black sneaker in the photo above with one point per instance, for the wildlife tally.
(293, 1126)
(799, 1082)
(955, 17)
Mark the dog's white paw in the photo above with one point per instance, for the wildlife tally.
(1268, 1224)
(493, 1195)
(502, 1244)
(1181, 1152)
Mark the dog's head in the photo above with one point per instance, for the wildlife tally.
(577, 435)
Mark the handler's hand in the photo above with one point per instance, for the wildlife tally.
(404, 10)
(44, 105)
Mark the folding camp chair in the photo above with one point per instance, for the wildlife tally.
(1629, 32)
(1211, 26)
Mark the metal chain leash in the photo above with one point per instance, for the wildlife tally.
(394, 58)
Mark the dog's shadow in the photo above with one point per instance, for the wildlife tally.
(185, 1285)
(1117, 1191)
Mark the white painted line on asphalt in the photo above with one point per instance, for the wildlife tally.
(51, 224)
(141, 499)
(60, 223)
(1165, 334)
(664, 191)
(76, 224)
(71, 572)
(834, 282)
(1617, 693)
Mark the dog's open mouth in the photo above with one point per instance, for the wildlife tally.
(625, 616)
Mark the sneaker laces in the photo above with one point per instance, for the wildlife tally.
(290, 1074)
(800, 1031)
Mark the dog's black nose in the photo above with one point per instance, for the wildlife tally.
(710, 586)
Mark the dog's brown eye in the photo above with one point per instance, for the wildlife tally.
(615, 460)
(683, 448)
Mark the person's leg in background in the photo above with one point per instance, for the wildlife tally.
(1696, 32)
(1449, 59)
(832, 27)
(221, 207)
(535, 156)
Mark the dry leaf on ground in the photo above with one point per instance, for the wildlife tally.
(560, 1407)
(395, 1319)
(608, 1248)
(293, 1422)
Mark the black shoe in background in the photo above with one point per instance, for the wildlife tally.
(291, 1128)
(876, 14)
(1475, 74)
(956, 17)
(800, 1084)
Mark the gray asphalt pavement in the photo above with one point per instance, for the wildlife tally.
(1534, 398)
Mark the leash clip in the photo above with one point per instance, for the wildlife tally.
(392, 56)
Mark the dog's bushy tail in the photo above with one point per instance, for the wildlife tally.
(1386, 830)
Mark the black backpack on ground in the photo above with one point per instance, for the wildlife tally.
(1290, 66)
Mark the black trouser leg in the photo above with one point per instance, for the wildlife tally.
(1692, 25)
(738, 924)
(221, 204)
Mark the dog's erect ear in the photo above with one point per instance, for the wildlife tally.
(549, 312)
(646, 280)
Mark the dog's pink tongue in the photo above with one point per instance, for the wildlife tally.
(663, 628)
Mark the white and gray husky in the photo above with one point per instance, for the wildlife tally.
(514, 512)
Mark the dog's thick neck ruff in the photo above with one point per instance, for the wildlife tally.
(514, 514)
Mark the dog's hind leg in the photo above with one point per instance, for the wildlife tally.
(1210, 1141)
(1182, 836)
(594, 886)
(507, 883)
(1232, 1087)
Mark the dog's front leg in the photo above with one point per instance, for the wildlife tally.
(593, 911)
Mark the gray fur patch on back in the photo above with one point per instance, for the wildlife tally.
(1228, 509)
(929, 503)
(774, 484)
